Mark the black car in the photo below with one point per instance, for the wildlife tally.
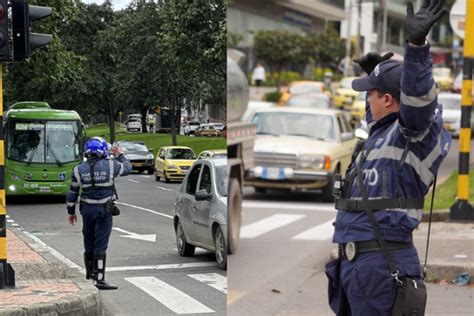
(139, 155)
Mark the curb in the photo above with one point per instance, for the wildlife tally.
(85, 302)
(435, 272)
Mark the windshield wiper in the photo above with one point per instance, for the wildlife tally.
(58, 162)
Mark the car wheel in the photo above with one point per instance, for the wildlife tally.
(260, 190)
(184, 249)
(235, 215)
(140, 170)
(165, 179)
(150, 171)
(157, 177)
(221, 248)
(327, 195)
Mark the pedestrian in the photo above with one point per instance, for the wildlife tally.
(258, 75)
(93, 181)
(390, 174)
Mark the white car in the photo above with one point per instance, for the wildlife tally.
(134, 126)
(451, 103)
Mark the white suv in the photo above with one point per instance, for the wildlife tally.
(134, 126)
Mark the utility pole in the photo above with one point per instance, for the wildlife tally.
(462, 209)
(384, 25)
(348, 62)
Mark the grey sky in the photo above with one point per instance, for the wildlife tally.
(117, 4)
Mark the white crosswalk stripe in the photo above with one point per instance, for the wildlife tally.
(215, 280)
(174, 299)
(320, 232)
(268, 224)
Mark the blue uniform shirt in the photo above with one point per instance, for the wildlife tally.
(105, 171)
(406, 150)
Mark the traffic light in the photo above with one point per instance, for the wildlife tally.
(24, 42)
(4, 47)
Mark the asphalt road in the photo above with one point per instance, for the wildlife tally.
(142, 258)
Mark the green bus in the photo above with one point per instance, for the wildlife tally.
(43, 146)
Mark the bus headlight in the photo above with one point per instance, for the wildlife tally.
(12, 188)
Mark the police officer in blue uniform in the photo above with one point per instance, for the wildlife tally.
(95, 179)
(398, 163)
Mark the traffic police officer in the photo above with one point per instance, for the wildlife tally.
(406, 145)
(95, 178)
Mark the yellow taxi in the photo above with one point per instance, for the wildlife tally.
(358, 109)
(302, 87)
(173, 162)
(207, 130)
(213, 154)
(344, 96)
(442, 77)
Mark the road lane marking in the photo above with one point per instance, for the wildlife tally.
(144, 209)
(233, 296)
(134, 181)
(132, 235)
(54, 252)
(163, 266)
(166, 189)
(288, 206)
(320, 232)
(147, 177)
(214, 280)
(174, 299)
(268, 224)
(10, 220)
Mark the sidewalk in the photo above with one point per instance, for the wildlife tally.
(44, 285)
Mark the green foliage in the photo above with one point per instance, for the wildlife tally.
(272, 96)
(446, 192)
(233, 39)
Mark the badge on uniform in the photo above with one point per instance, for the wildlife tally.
(350, 250)
(62, 176)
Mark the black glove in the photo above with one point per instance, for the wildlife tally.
(369, 61)
(418, 25)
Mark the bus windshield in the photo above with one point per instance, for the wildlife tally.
(54, 142)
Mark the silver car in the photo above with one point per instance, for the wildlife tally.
(201, 210)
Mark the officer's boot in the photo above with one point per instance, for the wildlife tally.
(89, 264)
(99, 273)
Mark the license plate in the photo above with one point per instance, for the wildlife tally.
(44, 189)
(137, 164)
(270, 173)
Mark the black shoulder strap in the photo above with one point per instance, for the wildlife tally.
(91, 165)
(429, 226)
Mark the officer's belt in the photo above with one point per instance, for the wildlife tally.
(352, 205)
(369, 246)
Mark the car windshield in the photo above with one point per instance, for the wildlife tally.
(133, 148)
(306, 88)
(319, 126)
(450, 102)
(180, 153)
(442, 72)
(346, 83)
(222, 180)
(54, 142)
(309, 101)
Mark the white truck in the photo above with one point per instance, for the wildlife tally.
(240, 141)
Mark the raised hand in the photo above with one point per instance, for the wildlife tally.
(370, 60)
(419, 25)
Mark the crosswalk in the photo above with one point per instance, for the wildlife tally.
(174, 297)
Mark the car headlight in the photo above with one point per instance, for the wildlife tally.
(171, 166)
(150, 156)
(317, 162)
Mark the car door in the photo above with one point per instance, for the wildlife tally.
(160, 161)
(187, 204)
(202, 209)
(347, 144)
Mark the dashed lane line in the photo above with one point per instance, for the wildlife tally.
(288, 206)
(214, 280)
(166, 189)
(144, 209)
(163, 266)
(134, 181)
(320, 232)
(268, 224)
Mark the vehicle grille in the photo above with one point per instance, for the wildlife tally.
(138, 160)
(269, 159)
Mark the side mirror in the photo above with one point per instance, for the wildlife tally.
(161, 157)
(361, 133)
(347, 136)
(202, 195)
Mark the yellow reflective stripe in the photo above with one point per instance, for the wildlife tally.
(463, 187)
(466, 97)
(3, 209)
(3, 248)
(464, 140)
(2, 150)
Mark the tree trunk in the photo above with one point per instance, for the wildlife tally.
(144, 123)
(111, 116)
(178, 120)
(172, 113)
